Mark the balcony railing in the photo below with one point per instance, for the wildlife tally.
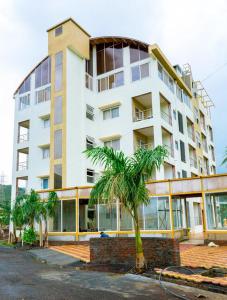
(22, 166)
(143, 115)
(191, 134)
(193, 162)
(144, 146)
(23, 138)
(170, 149)
(166, 117)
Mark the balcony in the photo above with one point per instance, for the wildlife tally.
(165, 116)
(142, 107)
(142, 114)
(191, 130)
(143, 138)
(193, 162)
(23, 132)
(167, 141)
(169, 171)
(22, 159)
(165, 108)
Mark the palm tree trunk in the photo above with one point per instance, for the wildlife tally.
(45, 235)
(40, 234)
(140, 261)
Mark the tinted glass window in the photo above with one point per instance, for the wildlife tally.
(58, 110)
(58, 176)
(58, 144)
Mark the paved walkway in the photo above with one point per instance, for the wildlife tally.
(204, 256)
(80, 251)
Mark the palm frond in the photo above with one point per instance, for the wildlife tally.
(147, 160)
(107, 157)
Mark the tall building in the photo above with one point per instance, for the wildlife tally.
(113, 91)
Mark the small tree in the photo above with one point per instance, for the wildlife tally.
(17, 217)
(4, 215)
(124, 179)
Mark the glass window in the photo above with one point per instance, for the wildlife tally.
(216, 211)
(163, 213)
(55, 222)
(138, 53)
(45, 183)
(107, 217)
(109, 57)
(180, 122)
(43, 73)
(177, 213)
(58, 70)
(58, 144)
(46, 152)
(135, 73)
(58, 110)
(115, 144)
(150, 214)
(90, 176)
(58, 176)
(58, 31)
(119, 79)
(125, 219)
(89, 112)
(46, 123)
(144, 70)
(115, 112)
(43, 95)
(90, 142)
(87, 216)
(118, 56)
(134, 54)
(25, 86)
(69, 215)
(106, 114)
(111, 113)
(182, 151)
(38, 80)
(24, 102)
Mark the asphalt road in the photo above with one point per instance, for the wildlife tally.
(22, 277)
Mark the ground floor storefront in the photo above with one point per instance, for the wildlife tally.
(177, 208)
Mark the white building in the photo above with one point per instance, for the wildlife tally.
(111, 91)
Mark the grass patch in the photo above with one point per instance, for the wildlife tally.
(5, 243)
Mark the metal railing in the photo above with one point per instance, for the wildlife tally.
(166, 117)
(21, 166)
(193, 162)
(144, 146)
(143, 115)
(23, 138)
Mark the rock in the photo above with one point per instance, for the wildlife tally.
(211, 244)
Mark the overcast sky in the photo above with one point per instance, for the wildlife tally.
(192, 32)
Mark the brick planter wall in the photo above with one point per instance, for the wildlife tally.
(158, 252)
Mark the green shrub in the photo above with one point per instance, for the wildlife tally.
(29, 236)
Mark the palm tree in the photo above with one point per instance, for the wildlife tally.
(124, 179)
(50, 211)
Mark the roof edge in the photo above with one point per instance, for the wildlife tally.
(67, 20)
